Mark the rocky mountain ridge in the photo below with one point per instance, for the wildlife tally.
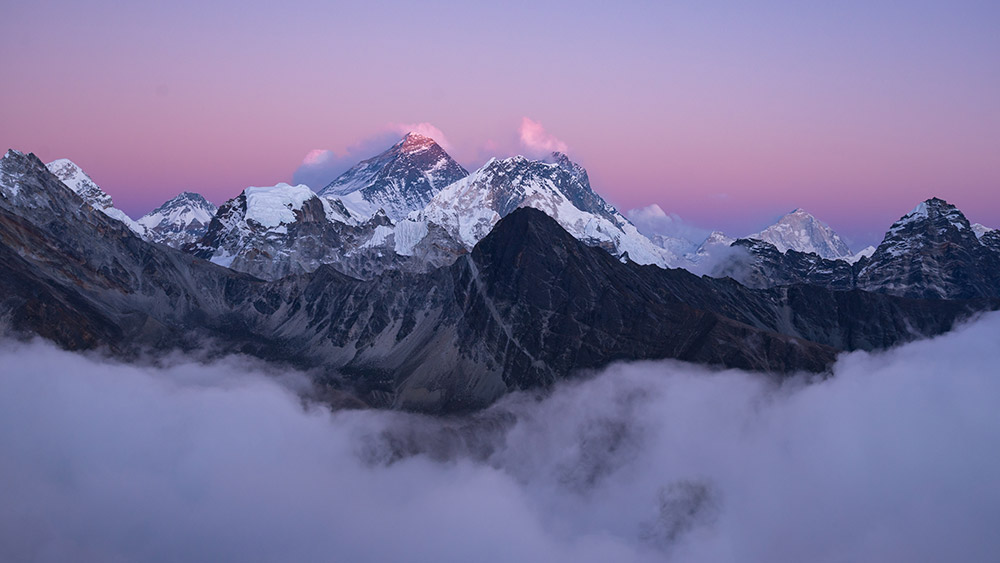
(179, 221)
(529, 305)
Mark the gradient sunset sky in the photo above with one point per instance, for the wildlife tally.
(727, 114)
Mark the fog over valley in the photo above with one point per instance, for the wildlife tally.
(890, 458)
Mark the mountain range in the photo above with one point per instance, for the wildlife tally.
(409, 283)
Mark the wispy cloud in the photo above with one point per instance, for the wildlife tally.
(319, 167)
(653, 220)
(425, 129)
(537, 140)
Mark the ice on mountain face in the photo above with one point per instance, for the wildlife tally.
(470, 207)
(275, 205)
(184, 209)
(401, 180)
(407, 235)
(919, 212)
(980, 230)
(802, 232)
(179, 221)
(864, 253)
(77, 180)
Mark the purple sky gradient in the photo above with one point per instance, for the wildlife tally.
(727, 115)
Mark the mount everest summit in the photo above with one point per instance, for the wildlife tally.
(399, 181)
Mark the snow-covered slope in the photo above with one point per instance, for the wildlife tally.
(77, 180)
(980, 230)
(865, 252)
(182, 220)
(801, 231)
(272, 232)
(470, 207)
(402, 179)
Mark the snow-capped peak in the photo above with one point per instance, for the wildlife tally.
(469, 208)
(400, 180)
(415, 142)
(77, 180)
(931, 210)
(866, 252)
(181, 220)
(802, 232)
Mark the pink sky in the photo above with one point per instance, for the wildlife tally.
(724, 115)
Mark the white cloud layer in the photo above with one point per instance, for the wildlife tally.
(894, 458)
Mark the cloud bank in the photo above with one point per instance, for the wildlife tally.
(891, 459)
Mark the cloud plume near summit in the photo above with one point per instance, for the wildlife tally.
(537, 141)
(892, 458)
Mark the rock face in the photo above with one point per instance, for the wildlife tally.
(287, 230)
(182, 220)
(528, 306)
(770, 267)
(400, 180)
(802, 232)
(77, 180)
(930, 253)
(469, 208)
(933, 253)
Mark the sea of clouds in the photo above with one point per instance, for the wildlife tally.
(893, 458)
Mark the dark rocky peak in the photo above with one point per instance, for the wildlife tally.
(930, 225)
(991, 240)
(932, 252)
(26, 182)
(770, 267)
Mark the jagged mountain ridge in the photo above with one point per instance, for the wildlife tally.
(933, 252)
(399, 181)
(271, 232)
(930, 253)
(528, 306)
(469, 208)
(179, 221)
(77, 180)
